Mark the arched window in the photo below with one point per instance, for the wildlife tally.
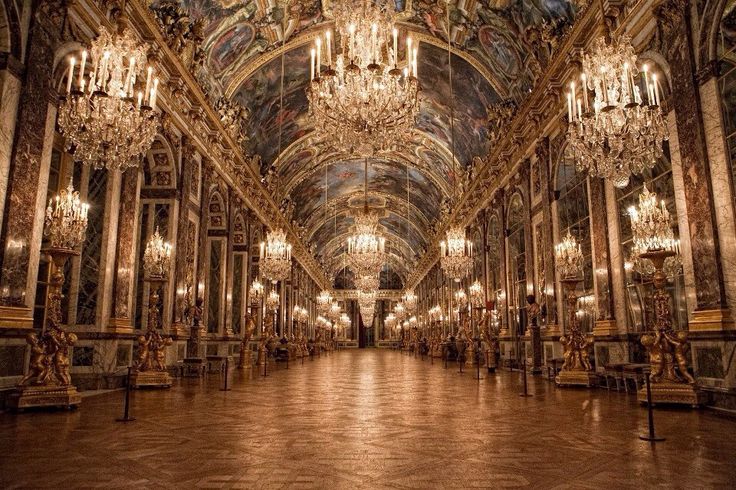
(516, 251)
(727, 79)
(573, 214)
(638, 279)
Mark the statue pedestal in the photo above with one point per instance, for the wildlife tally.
(673, 393)
(150, 379)
(193, 367)
(576, 378)
(44, 396)
(180, 330)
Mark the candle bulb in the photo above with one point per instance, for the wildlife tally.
(319, 55)
(396, 44)
(70, 77)
(148, 83)
(81, 69)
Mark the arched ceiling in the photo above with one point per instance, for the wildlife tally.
(500, 47)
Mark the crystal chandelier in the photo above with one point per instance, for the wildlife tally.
(652, 230)
(400, 311)
(367, 283)
(650, 223)
(456, 254)
(301, 315)
(365, 102)
(255, 293)
(335, 311)
(109, 115)
(66, 219)
(344, 321)
(390, 320)
(324, 300)
(410, 301)
(461, 299)
(477, 297)
(157, 256)
(435, 313)
(366, 250)
(366, 304)
(569, 257)
(273, 300)
(621, 132)
(275, 258)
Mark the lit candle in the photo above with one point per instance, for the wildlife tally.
(656, 88)
(584, 86)
(646, 83)
(416, 52)
(154, 94)
(408, 50)
(311, 72)
(103, 71)
(580, 117)
(69, 78)
(396, 44)
(127, 78)
(573, 97)
(569, 107)
(81, 69)
(148, 83)
(140, 99)
(319, 55)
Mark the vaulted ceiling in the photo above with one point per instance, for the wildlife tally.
(499, 49)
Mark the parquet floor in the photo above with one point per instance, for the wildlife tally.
(366, 419)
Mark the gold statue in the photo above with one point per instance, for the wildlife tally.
(250, 327)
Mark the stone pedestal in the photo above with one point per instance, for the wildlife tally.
(672, 394)
(576, 378)
(44, 396)
(119, 325)
(604, 328)
(150, 379)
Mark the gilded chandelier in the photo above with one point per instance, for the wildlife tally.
(368, 100)
(477, 297)
(569, 257)
(366, 304)
(275, 258)
(367, 283)
(255, 293)
(620, 132)
(66, 219)
(324, 300)
(456, 254)
(410, 301)
(366, 250)
(109, 116)
(157, 256)
(273, 300)
(652, 230)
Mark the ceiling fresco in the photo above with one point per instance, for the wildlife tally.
(500, 48)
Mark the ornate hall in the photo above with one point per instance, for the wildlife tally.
(367, 243)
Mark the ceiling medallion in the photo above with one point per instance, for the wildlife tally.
(620, 132)
(108, 114)
(368, 100)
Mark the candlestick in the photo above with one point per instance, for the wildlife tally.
(311, 65)
(70, 76)
(81, 68)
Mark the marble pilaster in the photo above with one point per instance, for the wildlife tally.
(10, 88)
(109, 248)
(29, 171)
(550, 298)
(127, 238)
(618, 286)
(208, 173)
(605, 323)
(720, 173)
(711, 311)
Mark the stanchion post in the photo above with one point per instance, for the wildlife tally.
(126, 410)
(651, 436)
(523, 373)
(226, 369)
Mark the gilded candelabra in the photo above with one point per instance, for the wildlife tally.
(670, 379)
(48, 382)
(150, 366)
(576, 370)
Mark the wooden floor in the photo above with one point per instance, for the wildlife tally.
(366, 419)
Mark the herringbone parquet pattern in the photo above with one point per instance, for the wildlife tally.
(366, 419)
